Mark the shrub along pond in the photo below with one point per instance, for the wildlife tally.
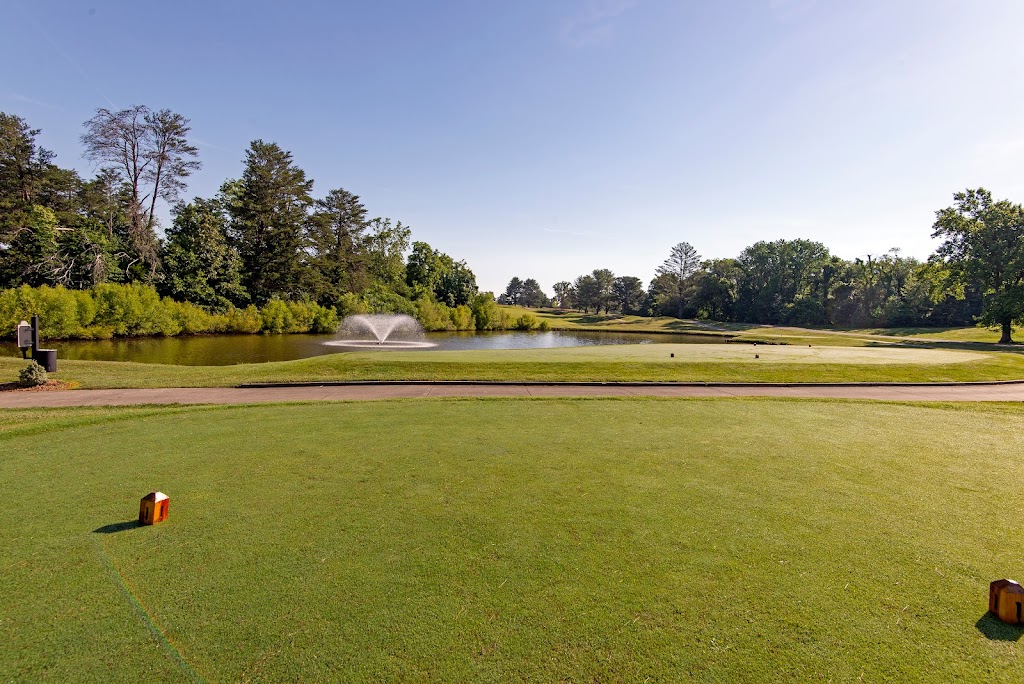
(225, 350)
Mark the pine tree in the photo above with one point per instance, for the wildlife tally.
(267, 209)
(337, 247)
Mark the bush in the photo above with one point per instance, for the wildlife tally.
(350, 304)
(462, 317)
(32, 375)
(135, 310)
(325, 320)
(433, 315)
(544, 326)
(378, 299)
(487, 315)
(526, 322)
(247, 320)
(277, 317)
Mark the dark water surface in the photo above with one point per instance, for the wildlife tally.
(225, 350)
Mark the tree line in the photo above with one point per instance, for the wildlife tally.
(263, 237)
(975, 276)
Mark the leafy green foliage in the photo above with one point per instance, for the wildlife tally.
(136, 310)
(435, 273)
(526, 322)
(983, 242)
(627, 294)
(200, 266)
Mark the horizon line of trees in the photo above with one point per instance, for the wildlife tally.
(263, 237)
(975, 277)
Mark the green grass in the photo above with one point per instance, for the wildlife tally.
(885, 362)
(969, 334)
(529, 540)
(568, 319)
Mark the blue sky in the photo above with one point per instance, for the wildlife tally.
(548, 138)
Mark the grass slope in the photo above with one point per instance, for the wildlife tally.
(645, 363)
(971, 334)
(567, 319)
(570, 540)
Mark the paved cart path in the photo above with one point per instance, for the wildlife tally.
(256, 395)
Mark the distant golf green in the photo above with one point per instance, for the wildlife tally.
(514, 540)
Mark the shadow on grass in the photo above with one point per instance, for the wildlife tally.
(996, 630)
(118, 527)
(1014, 348)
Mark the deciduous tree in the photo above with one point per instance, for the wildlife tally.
(983, 240)
(588, 293)
(150, 152)
(628, 294)
(386, 247)
(200, 265)
(532, 295)
(563, 294)
(604, 279)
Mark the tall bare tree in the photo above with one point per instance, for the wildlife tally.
(150, 152)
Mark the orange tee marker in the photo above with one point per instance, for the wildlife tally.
(1005, 598)
(153, 508)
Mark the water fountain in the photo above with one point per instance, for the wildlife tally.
(380, 331)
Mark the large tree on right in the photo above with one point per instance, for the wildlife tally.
(983, 242)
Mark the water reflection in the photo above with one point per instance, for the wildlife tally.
(225, 350)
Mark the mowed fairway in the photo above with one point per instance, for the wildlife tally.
(804, 362)
(512, 540)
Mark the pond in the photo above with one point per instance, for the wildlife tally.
(225, 350)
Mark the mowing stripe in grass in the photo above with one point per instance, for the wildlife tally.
(147, 619)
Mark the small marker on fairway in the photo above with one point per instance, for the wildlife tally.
(757, 356)
(153, 508)
(1004, 601)
(672, 355)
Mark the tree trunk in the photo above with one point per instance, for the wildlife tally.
(1007, 329)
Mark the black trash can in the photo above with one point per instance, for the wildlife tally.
(47, 358)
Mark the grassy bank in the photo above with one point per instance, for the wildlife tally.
(971, 334)
(641, 363)
(597, 541)
(558, 319)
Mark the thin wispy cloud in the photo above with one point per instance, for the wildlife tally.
(576, 233)
(74, 64)
(595, 23)
(790, 9)
(25, 99)
(210, 145)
